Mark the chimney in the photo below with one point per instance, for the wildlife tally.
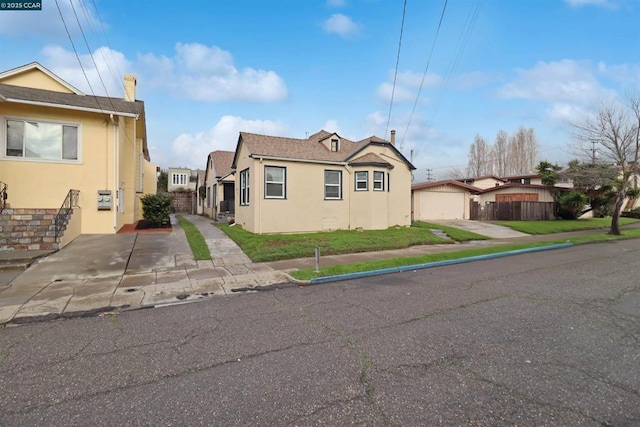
(129, 87)
(393, 137)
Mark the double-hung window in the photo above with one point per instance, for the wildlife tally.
(378, 181)
(41, 140)
(244, 188)
(275, 182)
(332, 185)
(362, 181)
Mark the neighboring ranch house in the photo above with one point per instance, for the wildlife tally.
(485, 181)
(220, 181)
(64, 152)
(324, 182)
(442, 200)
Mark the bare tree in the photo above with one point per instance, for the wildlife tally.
(455, 174)
(522, 152)
(500, 153)
(615, 130)
(480, 158)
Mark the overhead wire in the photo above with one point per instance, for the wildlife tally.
(395, 74)
(424, 75)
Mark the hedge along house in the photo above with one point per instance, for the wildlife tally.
(79, 161)
(324, 182)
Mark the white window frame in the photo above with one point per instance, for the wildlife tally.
(378, 183)
(179, 179)
(360, 180)
(335, 148)
(339, 184)
(244, 187)
(4, 140)
(283, 183)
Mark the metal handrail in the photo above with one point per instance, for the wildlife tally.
(70, 202)
(3, 196)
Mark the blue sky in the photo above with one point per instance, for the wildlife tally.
(210, 69)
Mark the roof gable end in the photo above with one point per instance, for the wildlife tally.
(17, 77)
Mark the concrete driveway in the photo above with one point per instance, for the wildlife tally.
(485, 228)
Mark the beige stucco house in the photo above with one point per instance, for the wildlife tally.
(55, 139)
(323, 182)
(220, 183)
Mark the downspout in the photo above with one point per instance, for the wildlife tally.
(259, 172)
(115, 176)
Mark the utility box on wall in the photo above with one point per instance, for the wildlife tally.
(104, 200)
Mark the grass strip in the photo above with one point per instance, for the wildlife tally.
(196, 241)
(333, 270)
(562, 226)
(273, 247)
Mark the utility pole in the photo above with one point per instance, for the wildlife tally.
(593, 152)
(429, 178)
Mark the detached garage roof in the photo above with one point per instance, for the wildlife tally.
(454, 183)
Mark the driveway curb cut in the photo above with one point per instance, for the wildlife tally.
(361, 274)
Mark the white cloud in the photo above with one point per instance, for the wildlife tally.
(108, 66)
(568, 86)
(627, 75)
(332, 126)
(191, 149)
(208, 74)
(342, 25)
(47, 23)
(407, 86)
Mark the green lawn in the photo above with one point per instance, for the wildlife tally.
(272, 247)
(196, 241)
(561, 226)
(399, 262)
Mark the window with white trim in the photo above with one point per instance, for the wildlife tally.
(275, 182)
(179, 178)
(335, 145)
(244, 187)
(362, 181)
(34, 139)
(332, 185)
(378, 181)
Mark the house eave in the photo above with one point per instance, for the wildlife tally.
(287, 159)
(69, 107)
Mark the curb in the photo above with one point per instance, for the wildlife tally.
(361, 274)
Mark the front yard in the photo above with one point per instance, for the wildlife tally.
(273, 247)
(562, 226)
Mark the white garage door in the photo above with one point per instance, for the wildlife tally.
(437, 205)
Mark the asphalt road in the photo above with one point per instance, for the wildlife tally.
(550, 338)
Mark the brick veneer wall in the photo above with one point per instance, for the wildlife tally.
(182, 201)
(28, 229)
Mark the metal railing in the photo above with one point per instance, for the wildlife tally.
(3, 196)
(70, 202)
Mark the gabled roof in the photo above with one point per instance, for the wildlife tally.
(39, 67)
(222, 161)
(514, 185)
(71, 101)
(478, 178)
(371, 159)
(309, 149)
(452, 182)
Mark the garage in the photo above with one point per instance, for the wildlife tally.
(441, 200)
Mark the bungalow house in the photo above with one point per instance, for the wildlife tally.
(220, 183)
(439, 200)
(323, 182)
(64, 152)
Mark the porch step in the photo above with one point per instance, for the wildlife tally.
(20, 260)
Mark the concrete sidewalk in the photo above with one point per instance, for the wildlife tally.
(123, 271)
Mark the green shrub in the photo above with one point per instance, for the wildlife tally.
(156, 208)
(571, 203)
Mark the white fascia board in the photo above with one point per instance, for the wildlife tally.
(285, 159)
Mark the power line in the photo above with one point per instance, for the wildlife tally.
(91, 55)
(395, 74)
(424, 75)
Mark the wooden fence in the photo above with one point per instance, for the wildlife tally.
(513, 211)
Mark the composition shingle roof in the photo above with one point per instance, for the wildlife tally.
(446, 182)
(371, 159)
(69, 100)
(222, 161)
(310, 148)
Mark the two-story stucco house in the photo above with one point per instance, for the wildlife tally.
(323, 182)
(55, 139)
